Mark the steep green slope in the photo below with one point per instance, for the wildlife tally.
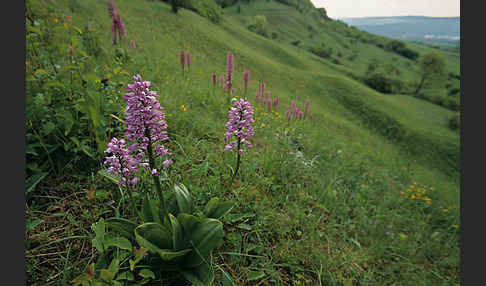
(318, 201)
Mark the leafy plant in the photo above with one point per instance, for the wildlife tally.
(181, 241)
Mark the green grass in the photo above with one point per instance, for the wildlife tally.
(317, 201)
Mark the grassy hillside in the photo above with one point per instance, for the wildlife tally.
(326, 201)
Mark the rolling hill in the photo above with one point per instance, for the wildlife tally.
(364, 193)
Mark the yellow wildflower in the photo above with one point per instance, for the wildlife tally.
(445, 210)
(263, 125)
(183, 108)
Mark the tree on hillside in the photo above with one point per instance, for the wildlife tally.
(175, 4)
(259, 25)
(433, 68)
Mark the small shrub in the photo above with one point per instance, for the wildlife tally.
(400, 48)
(259, 25)
(336, 61)
(453, 75)
(353, 56)
(452, 103)
(225, 3)
(206, 8)
(322, 52)
(323, 13)
(454, 91)
(74, 5)
(295, 43)
(455, 121)
(379, 82)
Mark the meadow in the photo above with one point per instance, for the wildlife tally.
(341, 185)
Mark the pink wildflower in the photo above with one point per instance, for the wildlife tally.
(306, 107)
(230, 68)
(144, 119)
(276, 101)
(240, 118)
(246, 78)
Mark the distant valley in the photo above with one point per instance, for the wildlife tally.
(411, 28)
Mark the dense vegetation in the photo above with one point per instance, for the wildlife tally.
(340, 185)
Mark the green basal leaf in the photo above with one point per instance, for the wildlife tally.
(107, 276)
(67, 68)
(205, 236)
(122, 226)
(53, 83)
(29, 225)
(33, 180)
(41, 72)
(155, 211)
(177, 235)
(97, 244)
(169, 255)
(78, 30)
(99, 230)
(227, 280)
(126, 276)
(201, 275)
(34, 30)
(114, 266)
(158, 239)
(102, 194)
(217, 209)
(146, 209)
(146, 273)
(255, 275)
(183, 198)
(120, 242)
(132, 264)
(113, 178)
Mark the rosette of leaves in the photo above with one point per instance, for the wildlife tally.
(183, 240)
(117, 250)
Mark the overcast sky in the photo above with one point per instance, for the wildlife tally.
(370, 8)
